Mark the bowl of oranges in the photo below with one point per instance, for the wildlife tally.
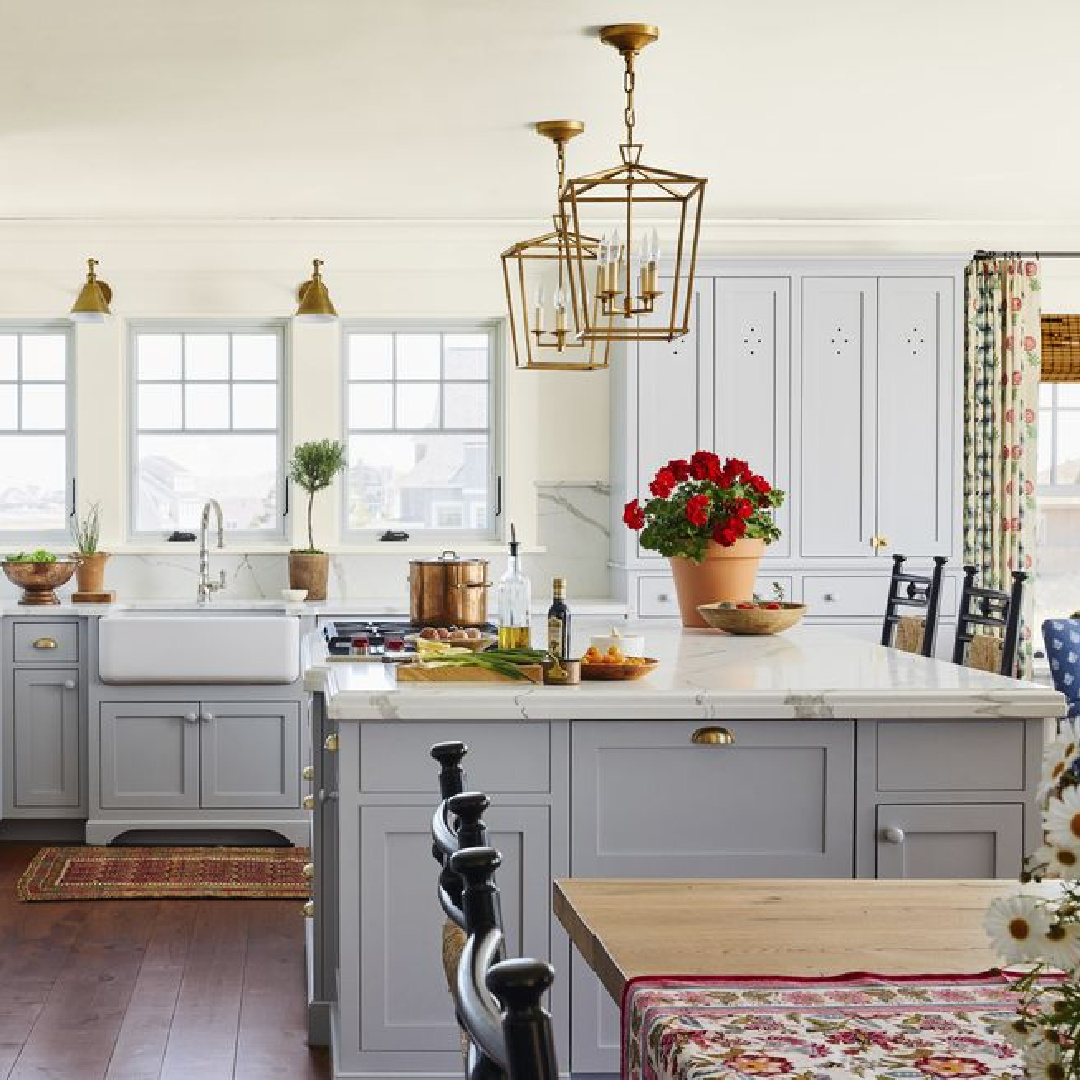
(613, 664)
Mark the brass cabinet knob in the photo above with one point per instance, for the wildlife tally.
(45, 643)
(330, 743)
(308, 871)
(713, 736)
(307, 772)
(308, 802)
(308, 910)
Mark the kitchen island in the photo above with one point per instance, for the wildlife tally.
(803, 755)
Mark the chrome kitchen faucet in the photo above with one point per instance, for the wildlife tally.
(206, 587)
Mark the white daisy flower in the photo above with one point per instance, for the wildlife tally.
(1056, 861)
(1060, 946)
(1044, 1062)
(1061, 819)
(1060, 753)
(1016, 926)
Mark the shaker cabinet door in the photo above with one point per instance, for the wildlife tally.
(950, 841)
(250, 754)
(149, 754)
(670, 422)
(47, 738)
(751, 381)
(403, 997)
(915, 435)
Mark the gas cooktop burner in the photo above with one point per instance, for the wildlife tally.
(383, 638)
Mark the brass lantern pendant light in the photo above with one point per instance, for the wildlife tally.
(544, 327)
(92, 303)
(624, 285)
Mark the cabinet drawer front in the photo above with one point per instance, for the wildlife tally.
(845, 595)
(657, 600)
(46, 643)
(950, 756)
(650, 801)
(395, 757)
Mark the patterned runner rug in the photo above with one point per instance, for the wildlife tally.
(875, 1027)
(150, 873)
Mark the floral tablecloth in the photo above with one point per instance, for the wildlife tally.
(859, 1025)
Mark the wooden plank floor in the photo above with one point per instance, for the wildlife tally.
(148, 989)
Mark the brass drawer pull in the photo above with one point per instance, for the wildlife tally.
(308, 802)
(45, 643)
(307, 772)
(308, 910)
(308, 871)
(330, 744)
(713, 736)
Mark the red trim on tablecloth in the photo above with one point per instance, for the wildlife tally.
(774, 982)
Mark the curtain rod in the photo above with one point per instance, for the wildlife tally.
(980, 254)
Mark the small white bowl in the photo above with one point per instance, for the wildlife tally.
(294, 596)
(627, 644)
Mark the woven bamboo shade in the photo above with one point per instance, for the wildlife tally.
(1060, 348)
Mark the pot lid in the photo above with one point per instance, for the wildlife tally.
(447, 557)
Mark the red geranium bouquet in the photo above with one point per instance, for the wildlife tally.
(703, 499)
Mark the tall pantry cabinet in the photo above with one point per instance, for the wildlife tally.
(839, 380)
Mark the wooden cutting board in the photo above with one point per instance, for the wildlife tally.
(430, 673)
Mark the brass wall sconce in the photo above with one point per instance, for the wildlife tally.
(315, 304)
(624, 274)
(539, 268)
(92, 303)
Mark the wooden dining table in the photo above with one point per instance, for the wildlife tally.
(625, 928)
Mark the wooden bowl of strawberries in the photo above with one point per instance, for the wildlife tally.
(759, 617)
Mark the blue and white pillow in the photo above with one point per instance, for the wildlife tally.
(1062, 637)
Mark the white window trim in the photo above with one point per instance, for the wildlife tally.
(60, 539)
(276, 537)
(495, 329)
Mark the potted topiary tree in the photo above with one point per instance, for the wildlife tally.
(313, 467)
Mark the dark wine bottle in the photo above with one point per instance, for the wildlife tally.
(558, 621)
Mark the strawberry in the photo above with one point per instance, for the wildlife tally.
(745, 605)
(772, 606)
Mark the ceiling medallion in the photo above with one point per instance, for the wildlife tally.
(628, 288)
(544, 325)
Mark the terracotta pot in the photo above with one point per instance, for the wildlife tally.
(309, 572)
(90, 573)
(725, 574)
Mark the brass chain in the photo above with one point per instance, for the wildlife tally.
(628, 88)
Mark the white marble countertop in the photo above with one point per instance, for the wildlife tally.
(805, 673)
(354, 606)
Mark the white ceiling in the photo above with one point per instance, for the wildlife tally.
(420, 108)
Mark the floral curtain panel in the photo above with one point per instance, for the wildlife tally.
(1002, 348)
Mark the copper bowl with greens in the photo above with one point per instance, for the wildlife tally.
(38, 574)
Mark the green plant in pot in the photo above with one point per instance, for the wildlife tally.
(86, 530)
(313, 467)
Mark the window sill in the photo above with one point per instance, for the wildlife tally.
(400, 547)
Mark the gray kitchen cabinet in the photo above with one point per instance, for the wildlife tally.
(249, 754)
(46, 739)
(199, 754)
(149, 754)
(402, 988)
(649, 801)
(949, 841)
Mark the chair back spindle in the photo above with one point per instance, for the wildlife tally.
(530, 1045)
(916, 593)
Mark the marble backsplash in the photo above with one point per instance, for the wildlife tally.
(572, 526)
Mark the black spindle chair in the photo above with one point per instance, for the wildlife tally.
(499, 1001)
(994, 610)
(918, 592)
(526, 1024)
